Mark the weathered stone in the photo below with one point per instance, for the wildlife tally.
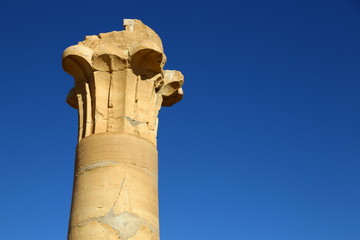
(120, 86)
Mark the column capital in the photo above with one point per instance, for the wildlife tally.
(120, 83)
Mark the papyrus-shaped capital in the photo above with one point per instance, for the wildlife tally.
(120, 83)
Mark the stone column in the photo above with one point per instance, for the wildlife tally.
(120, 86)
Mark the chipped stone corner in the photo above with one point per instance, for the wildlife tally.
(128, 24)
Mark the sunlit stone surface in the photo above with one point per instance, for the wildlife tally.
(120, 86)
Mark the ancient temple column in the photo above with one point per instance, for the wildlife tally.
(120, 86)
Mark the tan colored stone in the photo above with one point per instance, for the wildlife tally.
(120, 83)
(120, 86)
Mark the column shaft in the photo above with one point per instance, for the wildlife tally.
(115, 189)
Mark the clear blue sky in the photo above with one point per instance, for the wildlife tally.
(264, 146)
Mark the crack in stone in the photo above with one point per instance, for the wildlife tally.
(94, 165)
(83, 223)
(121, 187)
(145, 168)
(99, 113)
(100, 164)
(105, 234)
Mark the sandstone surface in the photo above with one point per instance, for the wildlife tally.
(120, 86)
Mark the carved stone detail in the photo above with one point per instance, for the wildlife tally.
(120, 84)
